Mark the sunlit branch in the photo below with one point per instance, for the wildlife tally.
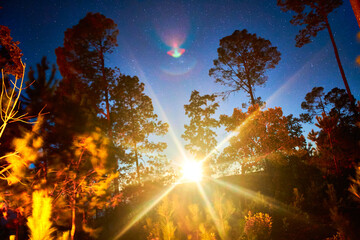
(8, 112)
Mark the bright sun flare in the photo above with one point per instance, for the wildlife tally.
(192, 171)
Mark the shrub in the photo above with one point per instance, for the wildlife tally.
(258, 226)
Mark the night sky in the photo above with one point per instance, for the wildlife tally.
(148, 28)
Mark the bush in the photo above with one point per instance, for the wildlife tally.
(258, 226)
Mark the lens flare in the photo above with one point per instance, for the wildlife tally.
(176, 52)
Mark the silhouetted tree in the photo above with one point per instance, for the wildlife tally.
(314, 15)
(336, 139)
(200, 132)
(82, 60)
(40, 90)
(334, 103)
(39, 99)
(135, 122)
(243, 59)
(87, 81)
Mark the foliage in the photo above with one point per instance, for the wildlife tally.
(81, 60)
(40, 91)
(162, 226)
(84, 178)
(10, 54)
(334, 103)
(336, 146)
(199, 133)
(243, 59)
(258, 226)
(82, 98)
(259, 137)
(342, 224)
(312, 14)
(338, 236)
(26, 153)
(39, 222)
(355, 186)
(135, 123)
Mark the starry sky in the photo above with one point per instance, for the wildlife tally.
(147, 28)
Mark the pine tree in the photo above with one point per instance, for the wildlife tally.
(243, 59)
(314, 15)
(136, 121)
(81, 61)
(334, 103)
(200, 132)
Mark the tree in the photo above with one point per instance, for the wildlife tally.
(82, 61)
(10, 54)
(39, 99)
(84, 178)
(135, 122)
(260, 138)
(199, 133)
(87, 81)
(243, 59)
(40, 91)
(161, 226)
(314, 15)
(336, 144)
(10, 64)
(336, 120)
(334, 103)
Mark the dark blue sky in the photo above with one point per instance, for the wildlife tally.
(148, 27)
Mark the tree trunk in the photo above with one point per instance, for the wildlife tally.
(137, 163)
(73, 215)
(339, 63)
(252, 96)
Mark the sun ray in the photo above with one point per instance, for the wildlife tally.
(253, 195)
(145, 209)
(297, 75)
(229, 136)
(237, 189)
(142, 76)
(211, 210)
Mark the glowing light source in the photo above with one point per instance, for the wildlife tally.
(192, 171)
(176, 52)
